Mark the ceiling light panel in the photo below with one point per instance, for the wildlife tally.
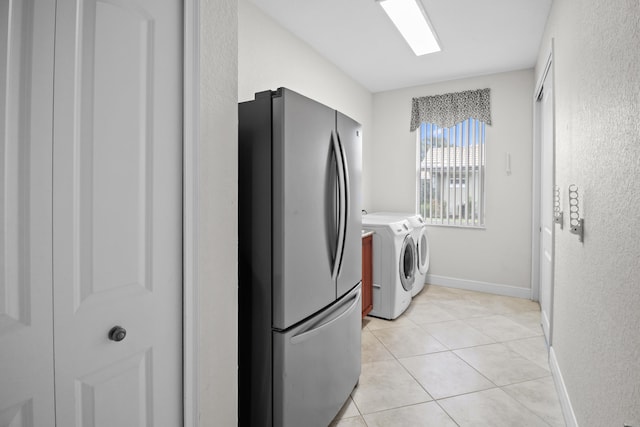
(412, 22)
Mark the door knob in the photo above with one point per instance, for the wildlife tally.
(117, 333)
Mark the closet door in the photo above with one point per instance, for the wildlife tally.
(117, 213)
(26, 105)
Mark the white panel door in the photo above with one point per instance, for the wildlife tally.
(117, 212)
(546, 208)
(26, 106)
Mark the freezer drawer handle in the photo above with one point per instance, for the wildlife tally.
(314, 329)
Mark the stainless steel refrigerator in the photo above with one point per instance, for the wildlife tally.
(300, 260)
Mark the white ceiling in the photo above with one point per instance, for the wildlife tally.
(476, 36)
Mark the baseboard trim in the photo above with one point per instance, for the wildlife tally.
(565, 402)
(474, 285)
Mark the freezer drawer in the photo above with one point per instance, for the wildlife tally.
(317, 364)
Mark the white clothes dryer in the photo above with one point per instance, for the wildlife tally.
(421, 240)
(393, 265)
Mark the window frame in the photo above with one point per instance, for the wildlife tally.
(469, 215)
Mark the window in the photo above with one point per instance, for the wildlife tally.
(451, 173)
(451, 156)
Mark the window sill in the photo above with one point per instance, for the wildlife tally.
(468, 227)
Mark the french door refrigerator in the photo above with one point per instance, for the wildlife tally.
(300, 260)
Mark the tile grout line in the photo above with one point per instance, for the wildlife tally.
(466, 321)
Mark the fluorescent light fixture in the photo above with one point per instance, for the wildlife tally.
(412, 22)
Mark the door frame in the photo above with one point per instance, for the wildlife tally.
(191, 138)
(536, 222)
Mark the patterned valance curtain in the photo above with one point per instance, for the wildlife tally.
(451, 108)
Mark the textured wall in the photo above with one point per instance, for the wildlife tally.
(269, 57)
(597, 283)
(501, 254)
(217, 214)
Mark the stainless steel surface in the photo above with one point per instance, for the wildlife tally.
(350, 135)
(316, 364)
(299, 255)
(341, 201)
(302, 264)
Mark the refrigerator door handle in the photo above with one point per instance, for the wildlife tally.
(347, 195)
(351, 302)
(342, 203)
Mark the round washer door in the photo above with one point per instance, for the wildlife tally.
(408, 263)
(422, 246)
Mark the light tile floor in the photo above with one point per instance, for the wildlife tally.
(455, 358)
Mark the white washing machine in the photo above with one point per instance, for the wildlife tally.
(421, 240)
(393, 265)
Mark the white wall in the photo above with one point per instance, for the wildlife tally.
(270, 57)
(597, 294)
(597, 283)
(217, 238)
(500, 255)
